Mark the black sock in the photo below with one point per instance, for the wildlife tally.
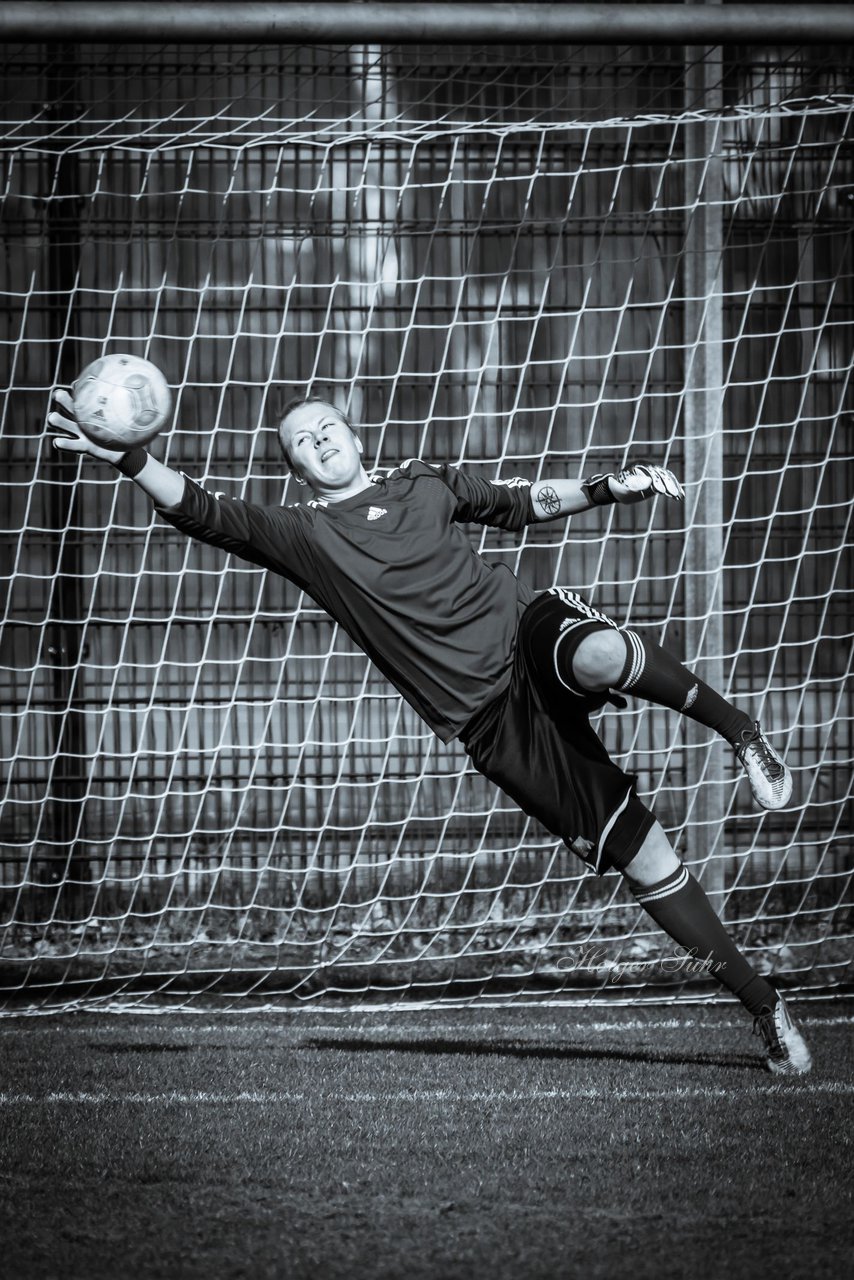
(679, 906)
(651, 672)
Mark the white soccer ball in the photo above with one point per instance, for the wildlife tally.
(121, 401)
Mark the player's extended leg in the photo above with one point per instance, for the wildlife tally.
(675, 900)
(611, 659)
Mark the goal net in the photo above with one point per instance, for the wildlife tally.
(525, 262)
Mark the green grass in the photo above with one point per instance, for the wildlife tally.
(505, 1143)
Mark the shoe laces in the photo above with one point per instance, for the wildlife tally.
(768, 762)
(765, 1024)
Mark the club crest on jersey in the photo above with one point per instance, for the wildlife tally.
(375, 513)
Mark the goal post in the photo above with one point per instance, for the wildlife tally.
(527, 260)
(703, 427)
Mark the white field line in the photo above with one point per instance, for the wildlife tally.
(361, 1022)
(287, 1097)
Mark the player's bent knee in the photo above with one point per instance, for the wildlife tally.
(654, 861)
(598, 661)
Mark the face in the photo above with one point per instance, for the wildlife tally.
(322, 448)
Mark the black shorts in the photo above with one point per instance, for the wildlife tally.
(535, 740)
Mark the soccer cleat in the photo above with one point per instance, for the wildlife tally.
(787, 1053)
(770, 779)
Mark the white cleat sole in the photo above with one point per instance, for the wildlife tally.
(789, 1068)
(768, 794)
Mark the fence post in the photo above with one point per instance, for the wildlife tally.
(65, 868)
(703, 427)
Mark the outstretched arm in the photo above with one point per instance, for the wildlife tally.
(162, 484)
(552, 499)
(272, 537)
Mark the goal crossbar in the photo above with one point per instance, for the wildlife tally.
(342, 23)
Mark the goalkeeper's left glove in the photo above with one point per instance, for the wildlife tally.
(635, 483)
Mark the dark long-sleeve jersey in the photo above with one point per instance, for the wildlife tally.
(394, 569)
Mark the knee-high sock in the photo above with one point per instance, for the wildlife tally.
(651, 672)
(679, 906)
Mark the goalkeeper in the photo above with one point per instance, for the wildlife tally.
(513, 675)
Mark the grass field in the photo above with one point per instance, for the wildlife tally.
(521, 1143)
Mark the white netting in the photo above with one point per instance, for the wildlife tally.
(526, 267)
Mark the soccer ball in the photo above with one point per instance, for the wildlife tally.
(121, 401)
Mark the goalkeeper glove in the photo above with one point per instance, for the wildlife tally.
(635, 483)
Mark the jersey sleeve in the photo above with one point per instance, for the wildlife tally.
(273, 537)
(506, 504)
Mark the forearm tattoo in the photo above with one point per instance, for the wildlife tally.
(548, 500)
